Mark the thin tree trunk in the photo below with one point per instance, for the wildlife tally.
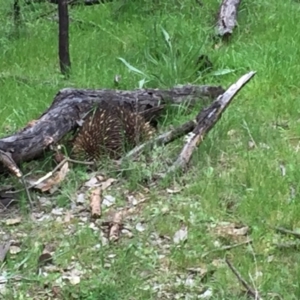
(63, 44)
(17, 15)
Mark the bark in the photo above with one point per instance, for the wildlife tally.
(227, 17)
(163, 139)
(17, 14)
(63, 40)
(206, 119)
(71, 105)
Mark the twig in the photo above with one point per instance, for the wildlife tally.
(287, 231)
(290, 245)
(229, 247)
(253, 293)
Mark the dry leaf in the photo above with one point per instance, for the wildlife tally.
(107, 183)
(180, 235)
(80, 198)
(68, 217)
(132, 200)
(57, 211)
(93, 182)
(127, 233)
(175, 191)
(140, 227)
(52, 182)
(3, 250)
(108, 200)
(206, 295)
(14, 221)
(251, 144)
(235, 231)
(95, 203)
(74, 279)
(14, 250)
(100, 178)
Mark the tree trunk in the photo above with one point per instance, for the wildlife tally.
(63, 43)
(17, 15)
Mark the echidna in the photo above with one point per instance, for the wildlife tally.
(110, 130)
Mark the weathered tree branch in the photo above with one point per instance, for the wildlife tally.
(227, 17)
(251, 292)
(206, 119)
(71, 105)
(163, 139)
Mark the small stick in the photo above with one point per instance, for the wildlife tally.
(229, 247)
(290, 245)
(287, 231)
(251, 292)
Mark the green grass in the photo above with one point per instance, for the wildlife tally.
(226, 181)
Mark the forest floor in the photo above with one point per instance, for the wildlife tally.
(242, 182)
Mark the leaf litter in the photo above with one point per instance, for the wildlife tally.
(96, 207)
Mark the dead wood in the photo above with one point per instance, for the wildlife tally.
(71, 105)
(162, 139)
(250, 291)
(95, 202)
(288, 232)
(225, 248)
(287, 245)
(227, 17)
(206, 119)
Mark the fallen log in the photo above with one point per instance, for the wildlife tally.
(71, 105)
(227, 17)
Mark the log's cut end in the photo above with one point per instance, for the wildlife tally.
(227, 18)
(110, 131)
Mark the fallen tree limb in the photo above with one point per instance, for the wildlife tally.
(162, 139)
(288, 232)
(227, 17)
(225, 248)
(250, 291)
(207, 118)
(71, 105)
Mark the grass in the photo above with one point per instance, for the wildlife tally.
(227, 181)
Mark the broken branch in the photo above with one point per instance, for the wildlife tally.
(227, 17)
(207, 118)
(253, 293)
